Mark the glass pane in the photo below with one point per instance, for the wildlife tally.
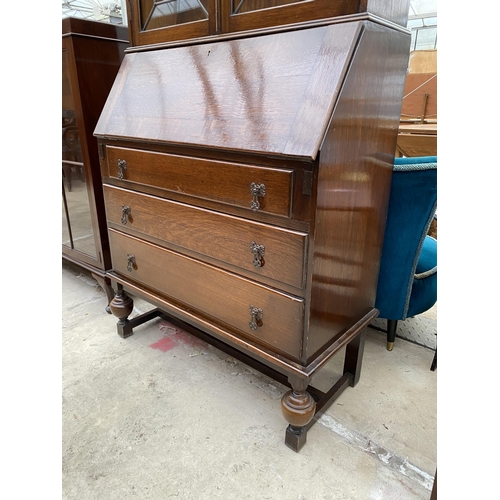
(77, 232)
(424, 39)
(242, 6)
(66, 232)
(164, 13)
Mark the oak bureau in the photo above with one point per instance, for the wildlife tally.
(246, 177)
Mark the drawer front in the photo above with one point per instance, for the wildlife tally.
(213, 292)
(265, 189)
(266, 250)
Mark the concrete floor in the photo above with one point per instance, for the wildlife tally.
(162, 415)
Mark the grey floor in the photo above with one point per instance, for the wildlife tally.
(162, 415)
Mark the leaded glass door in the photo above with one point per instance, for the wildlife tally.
(157, 21)
(242, 15)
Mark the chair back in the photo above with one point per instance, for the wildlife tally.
(412, 205)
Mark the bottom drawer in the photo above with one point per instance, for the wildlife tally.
(276, 319)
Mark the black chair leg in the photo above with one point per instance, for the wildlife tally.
(392, 324)
(435, 360)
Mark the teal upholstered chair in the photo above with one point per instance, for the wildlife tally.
(407, 283)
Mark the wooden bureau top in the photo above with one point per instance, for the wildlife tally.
(271, 94)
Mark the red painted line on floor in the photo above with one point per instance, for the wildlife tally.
(164, 344)
(189, 340)
(181, 336)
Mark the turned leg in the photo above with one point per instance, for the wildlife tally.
(298, 408)
(392, 324)
(105, 284)
(121, 306)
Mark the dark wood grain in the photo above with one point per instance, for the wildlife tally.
(271, 14)
(313, 114)
(138, 11)
(226, 16)
(223, 182)
(349, 181)
(260, 14)
(271, 95)
(303, 173)
(212, 234)
(353, 186)
(222, 296)
(73, 26)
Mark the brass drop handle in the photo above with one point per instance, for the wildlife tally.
(256, 190)
(258, 254)
(131, 262)
(122, 166)
(125, 213)
(255, 317)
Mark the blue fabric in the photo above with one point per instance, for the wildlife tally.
(412, 205)
(427, 259)
(424, 290)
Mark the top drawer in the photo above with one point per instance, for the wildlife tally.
(260, 189)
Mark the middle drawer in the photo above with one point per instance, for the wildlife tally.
(269, 251)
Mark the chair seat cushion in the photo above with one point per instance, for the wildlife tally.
(424, 289)
(427, 261)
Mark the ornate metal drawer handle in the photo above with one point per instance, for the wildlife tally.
(256, 317)
(131, 262)
(258, 254)
(125, 213)
(122, 166)
(256, 190)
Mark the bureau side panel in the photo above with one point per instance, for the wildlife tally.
(354, 177)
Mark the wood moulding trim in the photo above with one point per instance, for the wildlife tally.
(72, 26)
(268, 31)
(260, 353)
(84, 265)
(105, 38)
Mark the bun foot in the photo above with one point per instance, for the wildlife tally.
(122, 306)
(298, 408)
